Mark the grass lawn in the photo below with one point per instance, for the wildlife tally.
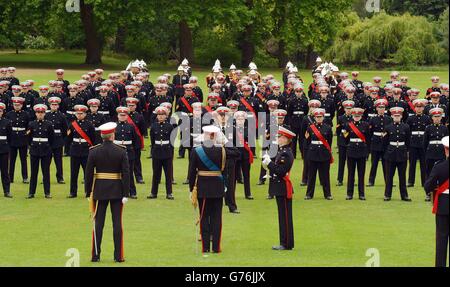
(162, 233)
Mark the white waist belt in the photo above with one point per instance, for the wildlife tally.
(299, 113)
(250, 115)
(70, 112)
(123, 142)
(79, 140)
(328, 115)
(397, 143)
(435, 142)
(418, 133)
(316, 142)
(372, 115)
(162, 142)
(103, 112)
(42, 140)
(3, 138)
(97, 129)
(378, 134)
(57, 131)
(355, 140)
(275, 142)
(18, 129)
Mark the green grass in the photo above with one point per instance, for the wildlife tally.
(162, 233)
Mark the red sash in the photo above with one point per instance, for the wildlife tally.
(186, 104)
(247, 148)
(250, 108)
(136, 129)
(357, 131)
(290, 189)
(261, 97)
(443, 187)
(322, 139)
(80, 131)
(209, 109)
(411, 106)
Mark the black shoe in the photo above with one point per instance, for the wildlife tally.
(249, 197)
(428, 198)
(152, 196)
(134, 196)
(26, 181)
(186, 182)
(370, 184)
(303, 184)
(269, 197)
(30, 196)
(339, 183)
(387, 198)
(410, 185)
(329, 198)
(206, 251)
(174, 182)
(61, 181)
(308, 197)
(362, 198)
(407, 199)
(95, 259)
(72, 196)
(235, 211)
(8, 195)
(349, 197)
(261, 182)
(170, 197)
(48, 196)
(180, 157)
(119, 260)
(141, 181)
(240, 181)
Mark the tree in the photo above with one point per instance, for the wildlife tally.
(429, 8)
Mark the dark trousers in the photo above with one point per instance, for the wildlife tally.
(323, 167)
(285, 222)
(211, 223)
(116, 212)
(132, 183)
(158, 165)
(67, 144)
(442, 234)
(297, 141)
(376, 157)
(230, 195)
(245, 166)
(4, 164)
(45, 167)
(417, 154)
(75, 164)
(138, 165)
(391, 166)
(430, 164)
(23, 161)
(305, 171)
(342, 159)
(353, 164)
(57, 154)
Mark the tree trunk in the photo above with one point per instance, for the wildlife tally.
(282, 57)
(185, 38)
(93, 43)
(119, 44)
(247, 45)
(310, 57)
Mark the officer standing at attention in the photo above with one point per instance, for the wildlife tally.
(280, 186)
(19, 120)
(357, 136)
(207, 187)
(107, 183)
(81, 135)
(5, 135)
(437, 183)
(396, 143)
(41, 136)
(60, 127)
(341, 142)
(162, 152)
(96, 118)
(137, 121)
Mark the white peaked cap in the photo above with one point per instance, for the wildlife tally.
(252, 66)
(318, 59)
(185, 62)
(232, 67)
(289, 65)
(211, 129)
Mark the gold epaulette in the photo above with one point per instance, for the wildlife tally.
(94, 146)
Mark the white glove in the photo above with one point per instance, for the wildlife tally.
(124, 200)
(266, 160)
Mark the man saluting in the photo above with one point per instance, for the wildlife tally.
(107, 182)
(437, 183)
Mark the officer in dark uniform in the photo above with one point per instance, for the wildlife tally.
(206, 184)
(139, 125)
(242, 141)
(60, 77)
(127, 137)
(41, 136)
(432, 140)
(96, 118)
(194, 129)
(437, 183)
(184, 107)
(162, 152)
(281, 187)
(341, 141)
(417, 124)
(107, 182)
(307, 121)
(60, 126)
(179, 80)
(396, 144)
(357, 136)
(297, 110)
(357, 83)
(107, 106)
(378, 126)
(5, 137)
(19, 144)
(81, 134)
(396, 101)
(434, 88)
(319, 138)
(67, 106)
(327, 104)
(435, 103)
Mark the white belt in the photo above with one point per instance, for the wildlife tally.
(103, 112)
(3, 138)
(372, 115)
(79, 140)
(42, 140)
(275, 142)
(328, 115)
(397, 143)
(195, 135)
(97, 129)
(57, 131)
(184, 114)
(445, 192)
(123, 142)
(162, 142)
(435, 142)
(378, 134)
(70, 112)
(47, 111)
(317, 142)
(18, 129)
(418, 133)
(250, 115)
(355, 140)
(299, 113)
